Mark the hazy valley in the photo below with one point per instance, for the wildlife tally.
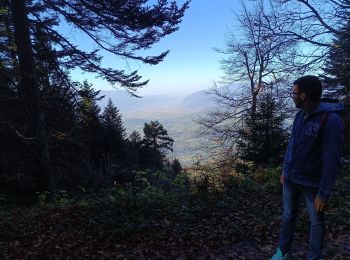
(177, 115)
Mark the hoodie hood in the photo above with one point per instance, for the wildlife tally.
(329, 107)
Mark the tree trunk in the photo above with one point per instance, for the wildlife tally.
(254, 104)
(347, 126)
(30, 94)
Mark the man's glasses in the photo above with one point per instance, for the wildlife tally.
(292, 94)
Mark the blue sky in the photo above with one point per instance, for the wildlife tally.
(192, 64)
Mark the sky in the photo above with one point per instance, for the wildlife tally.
(192, 64)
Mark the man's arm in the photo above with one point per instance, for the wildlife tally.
(287, 158)
(333, 139)
(288, 155)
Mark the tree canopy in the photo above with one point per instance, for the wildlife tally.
(116, 27)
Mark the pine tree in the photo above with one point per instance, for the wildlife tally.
(156, 137)
(176, 166)
(338, 65)
(114, 132)
(338, 72)
(29, 93)
(134, 146)
(90, 125)
(263, 137)
(135, 138)
(156, 143)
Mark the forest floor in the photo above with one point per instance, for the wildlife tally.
(241, 224)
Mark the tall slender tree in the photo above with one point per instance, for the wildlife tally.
(114, 132)
(337, 76)
(338, 66)
(156, 137)
(255, 59)
(90, 124)
(134, 145)
(156, 143)
(263, 139)
(30, 94)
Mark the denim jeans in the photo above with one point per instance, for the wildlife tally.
(291, 196)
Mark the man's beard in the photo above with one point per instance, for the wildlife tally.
(298, 104)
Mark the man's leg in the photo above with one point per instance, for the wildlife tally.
(317, 229)
(291, 196)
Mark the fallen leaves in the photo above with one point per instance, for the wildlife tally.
(246, 226)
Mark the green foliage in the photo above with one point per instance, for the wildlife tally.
(156, 137)
(113, 141)
(89, 110)
(43, 197)
(135, 138)
(244, 167)
(263, 138)
(182, 181)
(338, 65)
(269, 178)
(337, 72)
(155, 143)
(176, 166)
(63, 198)
(112, 121)
(211, 184)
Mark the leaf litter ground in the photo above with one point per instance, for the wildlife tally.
(242, 225)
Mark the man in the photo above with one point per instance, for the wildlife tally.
(311, 164)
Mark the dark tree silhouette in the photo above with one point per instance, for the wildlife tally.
(30, 94)
(90, 124)
(176, 166)
(134, 143)
(114, 133)
(156, 137)
(338, 66)
(263, 139)
(40, 49)
(337, 76)
(156, 143)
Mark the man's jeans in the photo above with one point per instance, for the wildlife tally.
(291, 196)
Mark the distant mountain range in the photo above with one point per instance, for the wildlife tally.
(200, 99)
(126, 103)
(197, 100)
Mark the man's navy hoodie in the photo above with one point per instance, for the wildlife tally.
(314, 155)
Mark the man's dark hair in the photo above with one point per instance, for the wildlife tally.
(311, 86)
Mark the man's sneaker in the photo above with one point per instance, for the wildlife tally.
(279, 256)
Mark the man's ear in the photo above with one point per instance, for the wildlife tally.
(302, 96)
